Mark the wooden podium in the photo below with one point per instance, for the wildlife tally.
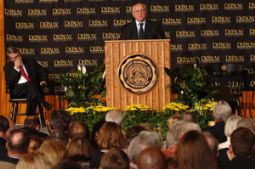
(157, 51)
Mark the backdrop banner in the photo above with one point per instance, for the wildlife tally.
(61, 34)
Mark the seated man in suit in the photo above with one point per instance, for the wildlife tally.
(25, 77)
(141, 27)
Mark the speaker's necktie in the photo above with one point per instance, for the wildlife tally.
(24, 74)
(141, 31)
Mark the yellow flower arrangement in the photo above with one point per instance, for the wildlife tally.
(135, 107)
(176, 106)
(101, 108)
(73, 110)
(204, 107)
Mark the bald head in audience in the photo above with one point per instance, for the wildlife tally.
(151, 158)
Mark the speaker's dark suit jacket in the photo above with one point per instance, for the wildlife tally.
(153, 30)
(30, 90)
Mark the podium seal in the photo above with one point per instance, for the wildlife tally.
(137, 73)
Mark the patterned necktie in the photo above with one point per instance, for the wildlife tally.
(23, 73)
(140, 32)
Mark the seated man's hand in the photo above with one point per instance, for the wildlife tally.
(43, 83)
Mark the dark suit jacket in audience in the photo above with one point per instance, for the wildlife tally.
(3, 150)
(241, 162)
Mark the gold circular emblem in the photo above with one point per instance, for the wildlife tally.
(137, 73)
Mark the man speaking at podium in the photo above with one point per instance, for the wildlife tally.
(141, 27)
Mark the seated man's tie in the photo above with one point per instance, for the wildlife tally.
(24, 74)
(141, 31)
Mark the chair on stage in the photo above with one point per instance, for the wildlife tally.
(14, 109)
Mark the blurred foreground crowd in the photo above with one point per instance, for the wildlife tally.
(68, 143)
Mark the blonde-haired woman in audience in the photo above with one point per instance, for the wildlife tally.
(53, 150)
(34, 160)
(230, 126)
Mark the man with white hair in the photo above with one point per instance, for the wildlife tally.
(115, 116)
(145, 139)
(141, 27)
(221, 112)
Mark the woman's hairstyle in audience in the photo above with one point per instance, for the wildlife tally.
(34, 160)
(145, 139)
(242, 141)
(212, 142)
(193, 152)
(231, 124)
(53, 150)
(151, 158)
(115, 158)
(95, 130)
(247, 123)
(79, 146)
(34, 143)
(78, 129)
(110, 135)
(222, 111)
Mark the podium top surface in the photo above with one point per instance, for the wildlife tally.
(138, 40)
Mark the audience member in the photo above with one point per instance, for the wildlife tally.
(4, 126)
(80, 150)
(242, 141)
(187, 116)
(35, 160)
(247, 123)
(151, 158)
(115, 116)
(212, 142)
(230, 126)
(17, 143)
(193, 152)
(32, 126)
(110, 135)
(145, 139)
(115, 158)
(34, 143)
(95, 130)
(221, 112)
(78, 129)
(178, 130)
(53, 150)
(58, 125)
(68, 163)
